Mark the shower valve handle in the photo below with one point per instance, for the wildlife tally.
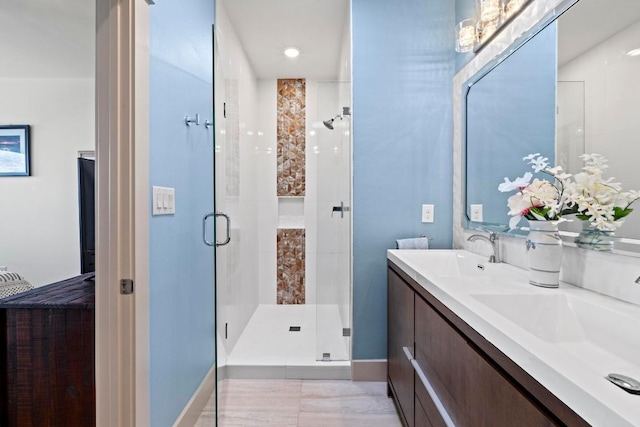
(342, 209)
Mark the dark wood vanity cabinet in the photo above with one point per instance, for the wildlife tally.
(47, 373)
(476, 384)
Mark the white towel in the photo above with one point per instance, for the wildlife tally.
(415, 243)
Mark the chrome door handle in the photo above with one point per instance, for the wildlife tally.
(226, 217)
(204, 229)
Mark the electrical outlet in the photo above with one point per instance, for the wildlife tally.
(427, 213)
(476, 213)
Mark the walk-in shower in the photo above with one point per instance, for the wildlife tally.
(284, 280)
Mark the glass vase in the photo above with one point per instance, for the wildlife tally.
(544, 254)
(592, 238)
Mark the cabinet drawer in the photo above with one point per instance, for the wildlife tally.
(422, 419)
(400, 336)
(473, 392)
(424, 403)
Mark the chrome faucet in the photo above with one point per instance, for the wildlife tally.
(493, 240)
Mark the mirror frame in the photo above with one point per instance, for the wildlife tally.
(533, 20)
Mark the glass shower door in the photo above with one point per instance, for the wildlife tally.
(332, 152)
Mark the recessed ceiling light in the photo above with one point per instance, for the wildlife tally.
(292, 52)
(634, 52)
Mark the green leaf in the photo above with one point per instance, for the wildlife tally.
(619, 212)
(583, 217)
(541, 211)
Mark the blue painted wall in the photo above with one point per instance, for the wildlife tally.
(511, 113)
(403, 63)
(181, 268)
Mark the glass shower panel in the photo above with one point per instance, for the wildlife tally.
(332, 153)
(570, 133)
(570, 129)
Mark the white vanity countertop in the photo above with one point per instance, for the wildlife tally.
(569, 339)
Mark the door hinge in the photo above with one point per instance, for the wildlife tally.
(224, 110)
(126, 287)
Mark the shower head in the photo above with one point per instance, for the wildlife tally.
(329, 123)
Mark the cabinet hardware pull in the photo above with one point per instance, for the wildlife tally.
(407, 353)
(432, 393)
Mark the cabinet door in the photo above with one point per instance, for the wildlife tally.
(400, 335)
(473, 392)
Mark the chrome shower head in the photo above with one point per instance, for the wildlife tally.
(329, 123)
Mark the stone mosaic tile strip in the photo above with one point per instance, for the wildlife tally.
(290, 266)
(291, 130)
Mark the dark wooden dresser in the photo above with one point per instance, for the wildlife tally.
(47, 373)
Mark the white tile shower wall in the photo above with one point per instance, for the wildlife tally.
(611, 108)
(321, 176)
(266, 171)
(609, 274)
(239, 291)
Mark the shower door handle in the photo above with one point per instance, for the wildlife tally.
(228, 220)
(204, 229)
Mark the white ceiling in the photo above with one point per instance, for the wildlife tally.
(590, 22)
(47, 38)
(316, 27)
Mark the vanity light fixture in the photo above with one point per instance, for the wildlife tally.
(465, 35)
(292, 52)
(491, 15)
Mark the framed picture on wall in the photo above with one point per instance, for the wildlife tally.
(14, 150)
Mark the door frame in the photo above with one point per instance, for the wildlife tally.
(122, 214)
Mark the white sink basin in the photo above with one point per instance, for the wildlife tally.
(448, 263)
(565, 319)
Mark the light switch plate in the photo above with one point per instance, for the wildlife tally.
(164, 201)
(427, 213)
(476, 213)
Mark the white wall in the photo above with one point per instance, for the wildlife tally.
(237, 194)
(612, 103)
(39, 226)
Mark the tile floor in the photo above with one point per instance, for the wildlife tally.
(308, 403)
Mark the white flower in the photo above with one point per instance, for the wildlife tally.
(539, 163)
(530, 156)
(517, 184)
(600, 200)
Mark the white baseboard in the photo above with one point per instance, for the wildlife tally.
(190, 414)
(369, 370)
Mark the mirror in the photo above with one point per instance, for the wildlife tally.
(571, 89)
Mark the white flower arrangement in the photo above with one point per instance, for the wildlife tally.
(596, 199)
(587, 194)
(539, 200)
